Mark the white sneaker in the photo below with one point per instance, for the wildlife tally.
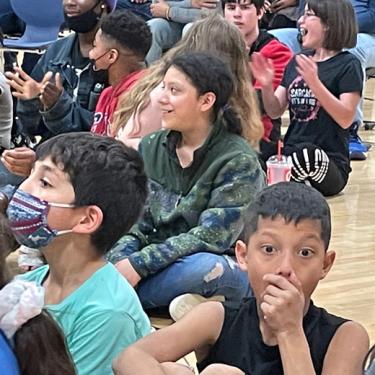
(182, 304)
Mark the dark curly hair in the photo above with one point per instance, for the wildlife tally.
(105, 173)
(291, 201)
(128, 30)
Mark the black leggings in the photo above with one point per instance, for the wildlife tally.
(312, 165)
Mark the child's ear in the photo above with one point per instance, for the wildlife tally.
(329, 258)
(113, 55)
(207, 101)
(260, 13)
(241, 254)
(91, 219)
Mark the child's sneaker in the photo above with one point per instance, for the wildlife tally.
(182, 304)
(357, 149)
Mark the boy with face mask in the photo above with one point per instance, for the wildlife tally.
(120, 47)
(72, 207)
(55, 97)
(59, 95)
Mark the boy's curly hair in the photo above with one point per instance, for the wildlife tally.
(128, 30)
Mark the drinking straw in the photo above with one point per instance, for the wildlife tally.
(279, 147)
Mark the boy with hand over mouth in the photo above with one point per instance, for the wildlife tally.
(279, 330)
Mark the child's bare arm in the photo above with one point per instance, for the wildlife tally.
(274, 102)
(341, 109)
(347, 350)
(283, 312)
(197, 330)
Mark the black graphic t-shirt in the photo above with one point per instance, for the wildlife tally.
(309, 122)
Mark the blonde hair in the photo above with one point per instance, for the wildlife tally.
(214, 35)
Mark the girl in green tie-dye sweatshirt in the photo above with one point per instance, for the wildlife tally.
(202, 177)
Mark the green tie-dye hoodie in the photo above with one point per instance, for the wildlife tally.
(199, 208)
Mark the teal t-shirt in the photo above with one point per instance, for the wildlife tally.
(99, 319)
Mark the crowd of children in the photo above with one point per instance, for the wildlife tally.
(147, 186)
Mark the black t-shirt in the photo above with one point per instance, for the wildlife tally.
(240, 343)
(309, 122)
(78, 60)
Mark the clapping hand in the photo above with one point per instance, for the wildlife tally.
(50, 91)
(25, 87)
(262, 69)
(308, 70)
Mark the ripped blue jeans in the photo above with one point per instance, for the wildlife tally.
(206, 274)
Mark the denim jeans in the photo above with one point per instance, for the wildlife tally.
(7, 178)
(288, 36)
(206, 274)
(140, 9)
(165, 34)
(364, 51)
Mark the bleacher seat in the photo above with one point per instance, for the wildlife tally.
(43, 19)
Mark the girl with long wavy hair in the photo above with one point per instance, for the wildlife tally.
(139, 113)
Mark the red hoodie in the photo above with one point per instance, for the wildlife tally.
(280, 55)
(107, 103)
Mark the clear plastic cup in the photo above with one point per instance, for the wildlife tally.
(278, 169)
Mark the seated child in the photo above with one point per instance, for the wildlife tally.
(120, 47)
(202, 177)
(31, 342)
(279, 330)
(321, 87)
(84, 193)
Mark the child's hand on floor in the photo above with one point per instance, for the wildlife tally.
(283, 303)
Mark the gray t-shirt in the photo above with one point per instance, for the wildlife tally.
(6, 113)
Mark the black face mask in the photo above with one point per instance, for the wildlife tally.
(99, 76)
(84, 22)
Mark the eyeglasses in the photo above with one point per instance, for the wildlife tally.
(309, 14)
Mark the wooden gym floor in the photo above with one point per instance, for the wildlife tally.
(349, 289)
